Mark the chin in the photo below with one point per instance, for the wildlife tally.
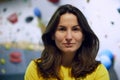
(69, 51)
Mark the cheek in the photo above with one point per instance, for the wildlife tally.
(58, 40)
(58, 37)
(79, 37)
(79, 40)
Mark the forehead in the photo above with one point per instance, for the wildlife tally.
(68, 18)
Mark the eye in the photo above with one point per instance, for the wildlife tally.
(76, 28)
(61, 28)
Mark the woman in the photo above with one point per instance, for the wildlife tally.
(70, 49)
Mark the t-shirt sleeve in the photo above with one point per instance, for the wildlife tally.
(31, 72)
(102, 73)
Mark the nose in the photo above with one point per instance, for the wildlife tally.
(68, 35)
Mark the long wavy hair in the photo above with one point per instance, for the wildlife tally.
(84, 60)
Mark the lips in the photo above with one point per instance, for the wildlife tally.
(68, 44)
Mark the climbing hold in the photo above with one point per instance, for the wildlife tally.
(15, 57)
(13, 18)
(29, 19)
(2, 61)
(106, 57)
(54, 1)
(37, 12)
(3, 71)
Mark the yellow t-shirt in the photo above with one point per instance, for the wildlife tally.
(100, 73)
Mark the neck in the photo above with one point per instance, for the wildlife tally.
(67, 59)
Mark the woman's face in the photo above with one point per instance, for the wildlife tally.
(68, 35)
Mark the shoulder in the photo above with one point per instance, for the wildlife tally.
(32, 64)
(31, 71)
(101, 68)
(101, 73)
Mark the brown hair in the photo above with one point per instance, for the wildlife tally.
(84, 61)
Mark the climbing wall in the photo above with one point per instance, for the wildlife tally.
(22, 23)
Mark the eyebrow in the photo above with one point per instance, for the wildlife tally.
(76, 25)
